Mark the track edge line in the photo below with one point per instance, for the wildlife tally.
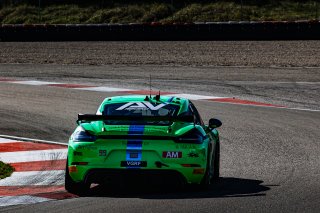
(32, 140)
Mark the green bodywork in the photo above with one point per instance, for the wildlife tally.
(108, 150)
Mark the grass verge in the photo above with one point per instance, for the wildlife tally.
(143, 12)
(5, 170)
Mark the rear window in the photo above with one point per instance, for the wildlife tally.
(140, 109)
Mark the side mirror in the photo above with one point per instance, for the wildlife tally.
(214, 123)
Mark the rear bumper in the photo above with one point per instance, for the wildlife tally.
(89, 165)
(138, 176)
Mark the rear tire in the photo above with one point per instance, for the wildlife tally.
(206, 180)
(216, 164)
(77, 188)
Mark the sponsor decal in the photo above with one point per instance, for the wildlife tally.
(172, 154)
(87, 147)
(186, 146)
(102, 152)
(75, 153)
(137, 164)
(193, 155)
(140, 106)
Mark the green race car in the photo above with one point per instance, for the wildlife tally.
(159, 138)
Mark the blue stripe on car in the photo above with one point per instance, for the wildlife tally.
(171, 99)
(134, 146)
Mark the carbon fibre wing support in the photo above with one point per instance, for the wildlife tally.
(93, 117)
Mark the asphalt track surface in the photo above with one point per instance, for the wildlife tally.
(270, 158)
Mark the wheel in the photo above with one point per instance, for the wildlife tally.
(78, 188)
(206, 180)
(216, 164)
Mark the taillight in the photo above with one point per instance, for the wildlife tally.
(83, 136)
(193, 136)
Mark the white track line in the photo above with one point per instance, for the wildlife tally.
(28, 156)
(195, 97)
(35, 83)
(5, 140)
(274, 107)
(104, 89)
(24, 199)
(189, 96)
(35, 178)
(9, 137)
(302, 109)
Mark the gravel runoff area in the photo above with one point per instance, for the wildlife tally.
(193, 53)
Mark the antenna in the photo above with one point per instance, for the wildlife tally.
(150, 85)
(158, 96)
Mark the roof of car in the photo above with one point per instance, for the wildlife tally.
(182, 102)
(142, 98)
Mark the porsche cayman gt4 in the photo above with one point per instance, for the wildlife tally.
(146, 138)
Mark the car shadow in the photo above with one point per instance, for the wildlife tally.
(225, 187)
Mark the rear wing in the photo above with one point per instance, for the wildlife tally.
(84, 118)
